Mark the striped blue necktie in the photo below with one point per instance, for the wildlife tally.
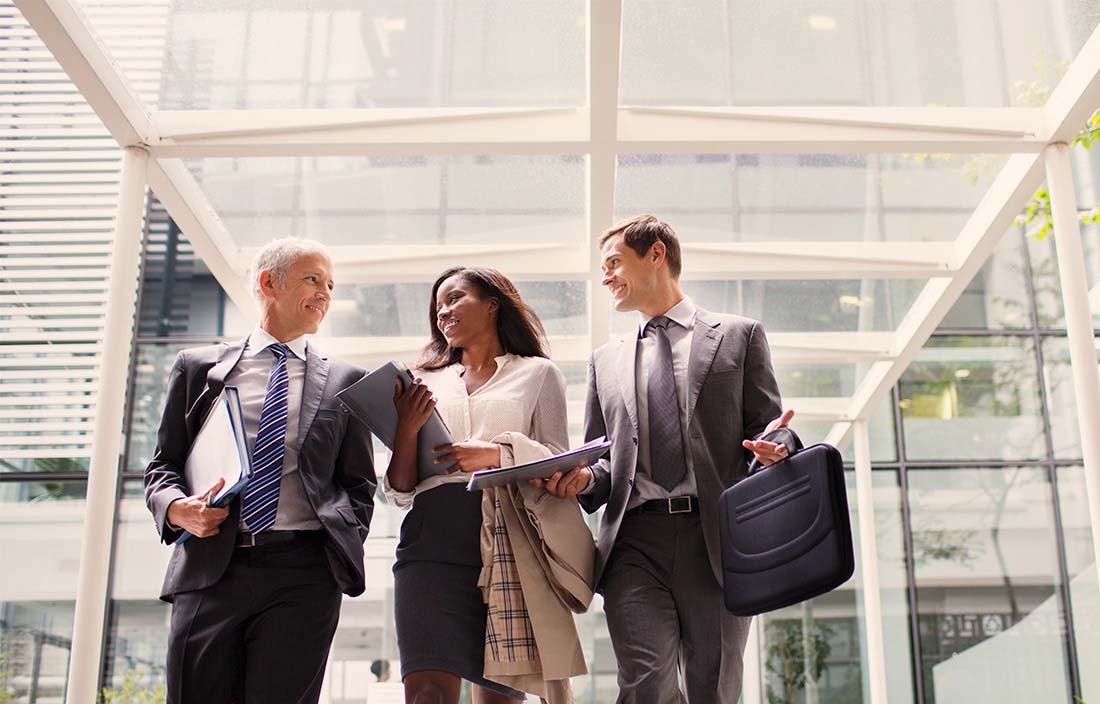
(261, 495)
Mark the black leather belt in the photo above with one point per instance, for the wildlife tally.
(669, 506)
(248, 539)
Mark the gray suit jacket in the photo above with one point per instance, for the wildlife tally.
(731, 396)
(335, 459)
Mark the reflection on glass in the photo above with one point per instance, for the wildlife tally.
(803, 306)
(985, 563)
(786, 198)
(816, 651)
(40, 528)
(997, 297)
(406, 200)
(152, 367)
(1048, 287)
(179, 295)
(973, 398)
(386, 53)
(840, 52)
(1083, 588)
(1062, 398)
(401, 309)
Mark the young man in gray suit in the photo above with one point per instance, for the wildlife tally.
(683, 399)
(255, 591)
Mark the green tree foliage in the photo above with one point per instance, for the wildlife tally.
(135, 688)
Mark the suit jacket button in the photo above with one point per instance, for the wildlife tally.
(635, 440)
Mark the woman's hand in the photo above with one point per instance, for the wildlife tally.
(469, 455)
(414, 407)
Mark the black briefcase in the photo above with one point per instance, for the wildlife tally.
(784, 529)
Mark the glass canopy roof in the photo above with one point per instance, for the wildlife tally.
(841, 172)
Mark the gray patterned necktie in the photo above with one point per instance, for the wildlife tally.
(666, 444)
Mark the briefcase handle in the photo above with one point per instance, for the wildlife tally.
(785, 436)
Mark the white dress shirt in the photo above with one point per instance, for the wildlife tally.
(525, 395)
(680, 332)
(250, 376)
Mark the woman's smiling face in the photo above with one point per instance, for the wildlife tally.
(463, 315)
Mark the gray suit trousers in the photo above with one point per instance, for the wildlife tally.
(666, 616)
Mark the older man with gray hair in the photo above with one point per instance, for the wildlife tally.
(255, 591)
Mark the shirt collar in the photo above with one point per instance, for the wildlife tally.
(501, 361)
(261, 339)
(683, 314)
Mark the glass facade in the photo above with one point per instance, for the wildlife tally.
(985, 562)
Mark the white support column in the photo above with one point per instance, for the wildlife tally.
(1082, 346)
(604, 41)
(95, 552)
(752, 685)
(868, 552)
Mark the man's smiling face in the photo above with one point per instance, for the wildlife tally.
(629, 277)
(300, 303)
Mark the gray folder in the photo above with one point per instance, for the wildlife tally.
(586, 454)
(371, 401)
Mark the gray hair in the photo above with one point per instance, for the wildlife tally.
(277, 256)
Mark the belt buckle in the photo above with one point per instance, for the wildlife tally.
(246, 539)
(686, 505)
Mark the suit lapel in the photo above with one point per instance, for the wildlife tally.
(705, 339)
(313, 390)
(628, 353)
(215, 378)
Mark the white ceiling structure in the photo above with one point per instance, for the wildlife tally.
(601, 131)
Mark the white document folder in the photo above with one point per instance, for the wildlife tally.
(371, 401)
(586, 454)
(220, 451)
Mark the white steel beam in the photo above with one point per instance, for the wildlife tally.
(604, 47)
(829, 129)
(313, 132)
(320, 132)
(546, 254)
(786, 348)
(95, 552)
(1077, 95)
(424, 262)
(818, 260)
(868, 563)
(67, 33)
(1082, 344)
(1007, 195)
(182, 196)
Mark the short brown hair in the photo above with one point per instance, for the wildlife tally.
(641, 232)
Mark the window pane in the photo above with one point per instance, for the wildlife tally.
(973, 398)
(804, 197)
(997, 297)
(40, 530)
(386, 53)
(1081, 563)
(179, 295)
(985, 564)
(843, 52)
(414, 200)
(833, 626)
(1048, 285)
(1058, 374)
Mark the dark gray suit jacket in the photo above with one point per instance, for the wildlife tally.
(731, 396)
(335, 459)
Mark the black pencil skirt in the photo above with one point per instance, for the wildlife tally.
(438, 606)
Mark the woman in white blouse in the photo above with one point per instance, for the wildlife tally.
(487, 371)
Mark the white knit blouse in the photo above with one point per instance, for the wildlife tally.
(526, 395)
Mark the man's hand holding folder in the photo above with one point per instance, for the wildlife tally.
(195, 515)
